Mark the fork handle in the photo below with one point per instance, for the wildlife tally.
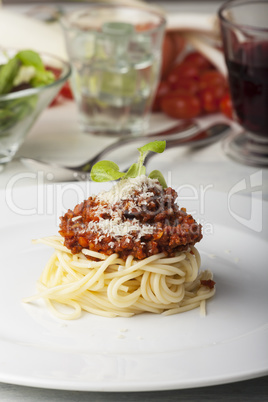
(180, 130)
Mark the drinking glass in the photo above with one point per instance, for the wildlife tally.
(244, 28)
(115, 52)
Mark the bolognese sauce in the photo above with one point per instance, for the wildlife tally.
(137, 217)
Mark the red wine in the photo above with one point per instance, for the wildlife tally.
(248, 79)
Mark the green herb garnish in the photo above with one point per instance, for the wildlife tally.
(106, 170)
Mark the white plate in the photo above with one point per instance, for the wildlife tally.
(146, 352)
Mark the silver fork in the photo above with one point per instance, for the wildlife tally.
(205, 137)
(183, 129)
(191, 136)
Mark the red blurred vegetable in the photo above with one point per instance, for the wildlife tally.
(181, 71)
(185, 85)
(181, 106)
(64, 93)
(198, 60)
(211, 78)
(211, 97)
(192, 87)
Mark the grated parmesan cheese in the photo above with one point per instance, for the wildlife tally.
(118, 228)
(124, 189)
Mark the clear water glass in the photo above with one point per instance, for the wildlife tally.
(115, 52)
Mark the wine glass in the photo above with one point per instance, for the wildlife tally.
(244, 28)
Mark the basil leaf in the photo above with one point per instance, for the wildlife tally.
(8, 73)
(105, 171)
(132, 171)
(156, 174)
(154, 146)
(31, 58)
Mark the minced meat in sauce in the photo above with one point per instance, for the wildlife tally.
(143, 224)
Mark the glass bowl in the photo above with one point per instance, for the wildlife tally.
(19, 110)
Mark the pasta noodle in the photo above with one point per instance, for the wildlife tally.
(110, 286)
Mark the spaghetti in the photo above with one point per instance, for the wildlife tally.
(110, 286)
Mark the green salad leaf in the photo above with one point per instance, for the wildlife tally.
(8, 73)
(30, 58)
(10, 70)
(106, 171)
(42, 78)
